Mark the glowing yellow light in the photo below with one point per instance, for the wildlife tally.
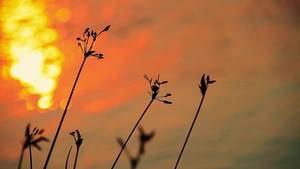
(48, 35)
(23, 94)
(29, 105)
(45, 102)
(25, 42)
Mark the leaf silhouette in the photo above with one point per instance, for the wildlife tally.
(36, 132)
(41, 131)
(144, 138)
(35, 142)
(168, 94)
(211, 82)
(164, 82)
(167, 102)
(106, 28)
(146, 77)
(207, 78)
(203, 84)
(89, 53)
(78, 134)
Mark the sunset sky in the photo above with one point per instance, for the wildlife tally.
(249, 119)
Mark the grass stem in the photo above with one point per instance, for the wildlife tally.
(68, 157)
(76, 157)
(21, 159)
(63, 116)
(189, 131)
(29, 144)
(132, 132)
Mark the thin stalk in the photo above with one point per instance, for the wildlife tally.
(76, 157)
(68, 157)
(132, 132)
(29, 144)
(21, 159)
(189, 131)
(63, 116)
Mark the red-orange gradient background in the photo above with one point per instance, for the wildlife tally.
(249, 119)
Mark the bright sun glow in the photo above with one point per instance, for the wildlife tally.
(26, 42)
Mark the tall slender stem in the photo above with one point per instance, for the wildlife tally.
(29, 144)
(63, 116)
(189, 131)
(76, 158)
(132, 132)
(21, 159)
(68, 157)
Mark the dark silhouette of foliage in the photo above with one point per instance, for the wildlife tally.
(143, 139)
(203, 88)
(155, 89)
(87, 51)
(29, 140)
(78, 143)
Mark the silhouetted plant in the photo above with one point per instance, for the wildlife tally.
(78, 143)
(66, 166)
(87, 51)
(143, 139)
(203, 88)
(29, 140)
(155, 86)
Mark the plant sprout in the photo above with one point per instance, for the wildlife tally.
(203, 88)
(87, 51)
(155, 89)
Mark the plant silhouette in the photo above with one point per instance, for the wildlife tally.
(66, 166)
(143, 139)
(29, 140)
(154, 86)
(87, 51)
(78, 143)
(203, 88)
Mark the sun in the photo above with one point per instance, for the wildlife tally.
(28, 44)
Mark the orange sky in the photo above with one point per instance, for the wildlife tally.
(249, 117)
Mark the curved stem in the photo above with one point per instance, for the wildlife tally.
(68, 157)
(63, 116)
(76, 158)
(131, 133)
(189, 131)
